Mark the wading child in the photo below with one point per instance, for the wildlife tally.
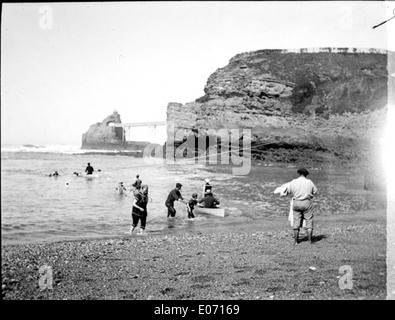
(139, 209)
(191, 205)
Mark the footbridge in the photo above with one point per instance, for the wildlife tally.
(140, 124)
(149, 135)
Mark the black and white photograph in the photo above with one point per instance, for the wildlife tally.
(198, 154)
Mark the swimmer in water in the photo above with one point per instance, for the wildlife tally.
(120, 189)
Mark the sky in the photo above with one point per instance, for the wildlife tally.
(66, 66)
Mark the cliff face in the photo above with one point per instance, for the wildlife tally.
(300, 106)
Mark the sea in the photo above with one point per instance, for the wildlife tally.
(37, 208)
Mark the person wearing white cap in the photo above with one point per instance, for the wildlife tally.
(207, 188)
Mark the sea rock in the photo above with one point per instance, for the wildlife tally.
(318, 105)
(103, 133)
(105, 136)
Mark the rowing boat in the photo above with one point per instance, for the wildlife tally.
(88, 176)
(219, 212)
(91, 176)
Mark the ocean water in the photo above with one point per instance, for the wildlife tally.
(39, 208)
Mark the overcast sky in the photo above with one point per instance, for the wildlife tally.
(66, 66)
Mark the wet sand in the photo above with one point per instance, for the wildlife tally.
(252, 262)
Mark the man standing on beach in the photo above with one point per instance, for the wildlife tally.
(302, 191)
(174, 195)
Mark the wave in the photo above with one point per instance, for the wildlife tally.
(33, 146)
(63, 149)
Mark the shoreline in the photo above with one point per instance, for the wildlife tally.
(251, 262)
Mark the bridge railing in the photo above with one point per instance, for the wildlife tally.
(141, 124)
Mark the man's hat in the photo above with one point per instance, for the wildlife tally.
(303, 171)
(207, 180)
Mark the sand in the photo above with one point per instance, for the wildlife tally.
(252, 262)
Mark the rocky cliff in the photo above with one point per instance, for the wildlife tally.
(105, 136)
(308, 105)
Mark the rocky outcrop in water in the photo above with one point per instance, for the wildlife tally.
(105, 136)
(307, 105)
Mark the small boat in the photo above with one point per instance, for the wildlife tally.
(219, 212)
(91, 176)
(87, 176)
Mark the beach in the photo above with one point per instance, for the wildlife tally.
(252, 261)
(252, 97)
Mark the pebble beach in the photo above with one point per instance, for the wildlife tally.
(251, 262)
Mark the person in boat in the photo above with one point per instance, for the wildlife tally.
(207, 187)
(174, 195)
(139, 209)
(191, 205)
(120, 188)
(302, 190)
(89, 169)
(210, 201)
(55, 174)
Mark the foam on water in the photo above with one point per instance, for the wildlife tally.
(54, 148)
